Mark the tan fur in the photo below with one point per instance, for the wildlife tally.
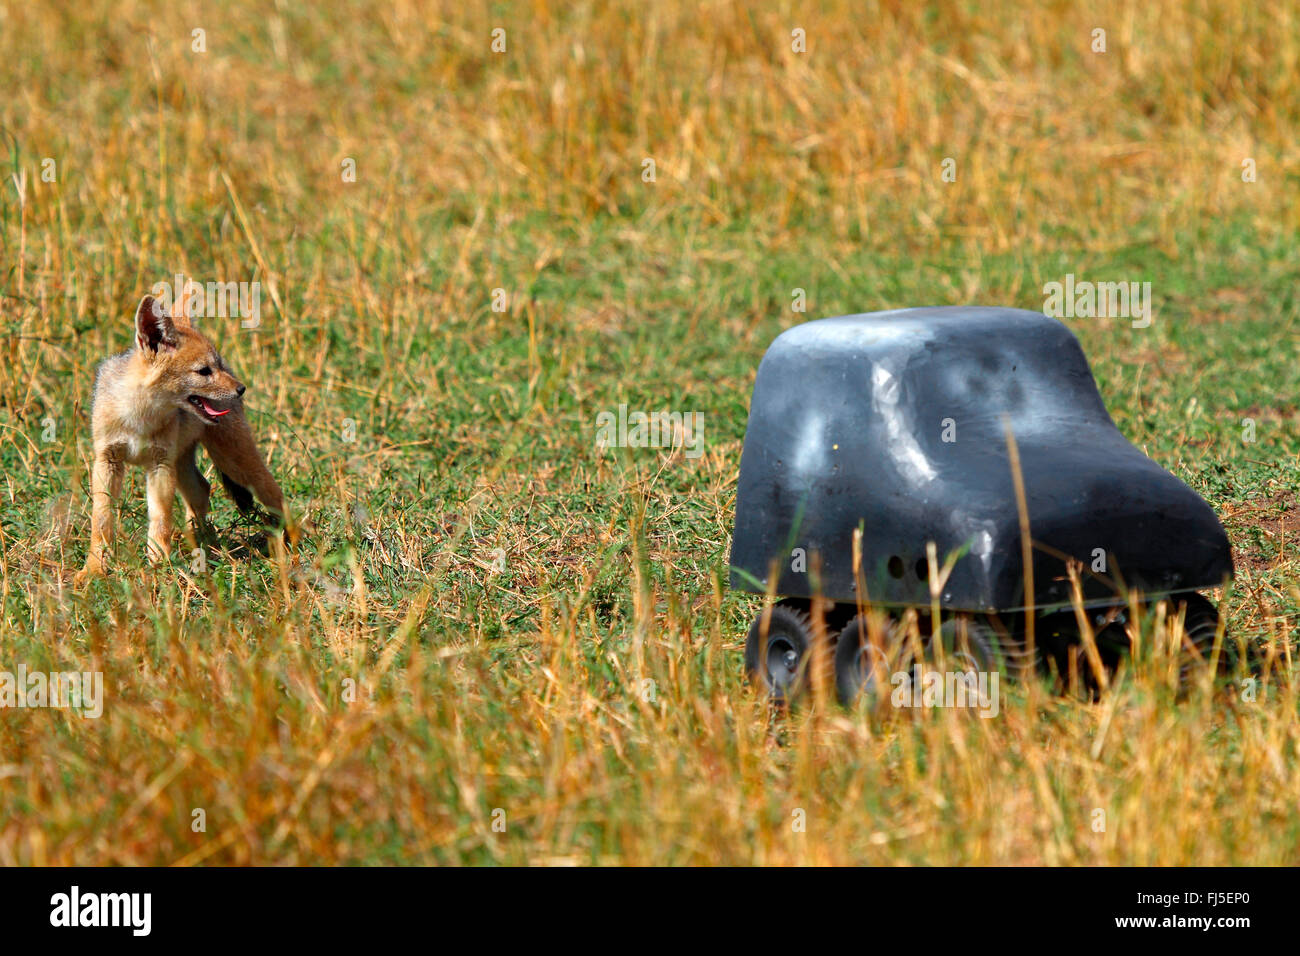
(143, 416)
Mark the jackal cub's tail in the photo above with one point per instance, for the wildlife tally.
(233, 450)
(242, 497)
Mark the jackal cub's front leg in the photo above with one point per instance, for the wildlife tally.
(105, 490)
(160, 484)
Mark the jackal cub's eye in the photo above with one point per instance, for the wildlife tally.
(206, 370)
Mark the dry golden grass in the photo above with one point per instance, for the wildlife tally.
(522, 690)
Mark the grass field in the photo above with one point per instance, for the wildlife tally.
(496, 588)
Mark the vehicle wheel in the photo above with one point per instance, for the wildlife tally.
(1060, 643)
(776, 651)
(971, 643)
(857, 662)
(1200, 625)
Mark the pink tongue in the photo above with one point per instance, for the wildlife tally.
(212, 411)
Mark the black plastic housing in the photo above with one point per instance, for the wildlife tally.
(895, 422)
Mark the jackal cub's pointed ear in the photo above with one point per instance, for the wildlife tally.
(154, 329)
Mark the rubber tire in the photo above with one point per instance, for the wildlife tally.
(977, 651)
(856, 661)
(1200, 624)
(1059, 640)
(779, 662)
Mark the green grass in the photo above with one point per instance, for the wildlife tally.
(521, 689)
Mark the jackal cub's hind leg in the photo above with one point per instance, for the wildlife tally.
(105, 491)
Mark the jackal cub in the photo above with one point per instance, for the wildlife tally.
(154, 405)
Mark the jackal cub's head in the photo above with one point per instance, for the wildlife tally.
(183, 366)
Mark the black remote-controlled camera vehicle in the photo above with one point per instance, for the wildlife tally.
(877, 441)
